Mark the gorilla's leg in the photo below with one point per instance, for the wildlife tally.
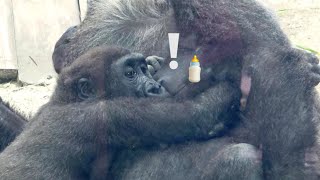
(239, 161)
(214, 159)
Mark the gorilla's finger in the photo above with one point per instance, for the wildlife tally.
(157, 58)
(315, 79)
(313, 74)
(160, 60)
(152, 61)
(316, 69)
(151, 70)
(313, 59)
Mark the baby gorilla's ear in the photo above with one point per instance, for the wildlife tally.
(86, 89)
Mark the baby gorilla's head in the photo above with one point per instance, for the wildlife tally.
(107, 72)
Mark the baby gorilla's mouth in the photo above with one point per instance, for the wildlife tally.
(154, 89)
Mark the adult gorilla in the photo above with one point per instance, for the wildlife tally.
(279, 109)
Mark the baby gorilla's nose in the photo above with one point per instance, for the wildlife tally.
(154, 89)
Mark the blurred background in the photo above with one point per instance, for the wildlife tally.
(30, 29)
(28, 32)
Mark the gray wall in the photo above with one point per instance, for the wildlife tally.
(28, 32)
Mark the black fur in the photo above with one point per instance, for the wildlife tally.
(278, 114)
(70, 135)
(11, 124)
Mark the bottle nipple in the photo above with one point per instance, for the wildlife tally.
(195, 59)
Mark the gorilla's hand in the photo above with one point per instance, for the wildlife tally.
(154, 63)
(314, 69)
(309, 67)
(302, 67)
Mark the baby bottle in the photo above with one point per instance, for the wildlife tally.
(194, 70)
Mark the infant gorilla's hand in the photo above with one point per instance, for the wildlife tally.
(154, 63)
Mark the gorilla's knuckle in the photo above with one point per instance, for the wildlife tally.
(244, 152)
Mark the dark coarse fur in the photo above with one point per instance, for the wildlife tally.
(278, 115)
(135, 24)
(11, 124)
(69, 135)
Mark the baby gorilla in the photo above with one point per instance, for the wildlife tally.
(125, 75)
(95, 111)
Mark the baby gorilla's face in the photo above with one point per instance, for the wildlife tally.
(131, 77)
(107, 72)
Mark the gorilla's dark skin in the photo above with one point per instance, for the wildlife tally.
(94, 113)
(11, 124)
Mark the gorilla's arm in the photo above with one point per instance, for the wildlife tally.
(279, 113)
(11, 124)
(169, 121)
(70, 135)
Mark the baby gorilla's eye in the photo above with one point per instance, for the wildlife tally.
(130, 73)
